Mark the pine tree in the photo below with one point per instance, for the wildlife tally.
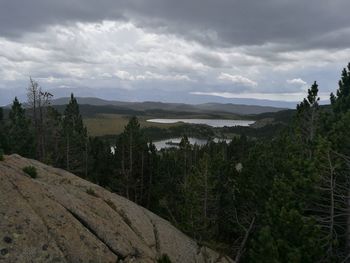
(100, 163)
(341, 101)
(307, 115)
(20, 138)
(74, 140)
(133, 151)
(264, 248)
(287, 226)
(201, 200)
(153, 169)
(338, 141)
(294, 236)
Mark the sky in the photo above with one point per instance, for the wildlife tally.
(193, 51)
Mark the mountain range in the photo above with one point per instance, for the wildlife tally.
(240, 109)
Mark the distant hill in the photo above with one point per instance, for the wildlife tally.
(195, 108)
(238, 108)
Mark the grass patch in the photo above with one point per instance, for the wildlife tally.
(91, 191)
(114, 124)
(105, 125)
(31, 171)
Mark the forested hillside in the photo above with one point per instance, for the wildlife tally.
(280, 198)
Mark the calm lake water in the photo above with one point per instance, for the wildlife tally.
(209, 122)
(173, 142)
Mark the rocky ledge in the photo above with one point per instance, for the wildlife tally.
(59, 217)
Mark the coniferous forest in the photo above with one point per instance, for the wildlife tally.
(284, 198)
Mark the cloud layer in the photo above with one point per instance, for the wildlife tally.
(234, 49)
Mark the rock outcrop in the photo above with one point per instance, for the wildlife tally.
(59, 217)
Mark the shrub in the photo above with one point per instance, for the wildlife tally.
(1, 155)
(164, 259)
(31, 171)
(91, 191)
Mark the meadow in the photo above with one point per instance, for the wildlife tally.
(113, 124)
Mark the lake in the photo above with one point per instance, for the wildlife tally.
(173, 142)
(217, 123)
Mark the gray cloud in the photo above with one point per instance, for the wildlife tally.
(302, 24)
(19, 17)
(222, 47)
(211, 59)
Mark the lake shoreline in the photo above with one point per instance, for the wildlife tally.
(215, 123)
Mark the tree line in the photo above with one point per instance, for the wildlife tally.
(284, 198)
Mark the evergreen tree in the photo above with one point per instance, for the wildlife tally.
(337, 154)
(264, 248)
(200, 207)
(74, 139)
(53, 137)
(287, 227)
(307, 116)
(132, 150)
(153, 170)
(20, 137)
(185, 157)
(341, 101)
(100, 163)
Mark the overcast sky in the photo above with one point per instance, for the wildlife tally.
(174, 50)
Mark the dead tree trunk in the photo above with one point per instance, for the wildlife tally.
(244, 241)
(332, 184)
(67, 152)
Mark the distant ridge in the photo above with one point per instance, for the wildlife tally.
(240, 109)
